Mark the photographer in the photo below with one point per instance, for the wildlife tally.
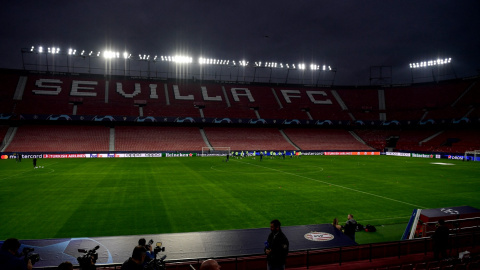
(136, 261)
(148, 247)
(10, 258)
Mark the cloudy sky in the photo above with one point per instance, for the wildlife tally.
(349, 35)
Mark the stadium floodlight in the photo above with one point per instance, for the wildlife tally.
(182, 59)
(431, 63)
(301, 66)
(32, 49)
(53, 50)
(108, 54)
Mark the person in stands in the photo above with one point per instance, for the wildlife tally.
(210, 265)
(440, 240)
(349, 227)
(276, 247)
(136, 261)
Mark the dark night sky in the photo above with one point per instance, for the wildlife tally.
(349, 35)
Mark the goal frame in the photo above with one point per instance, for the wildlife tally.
(215, 151)
(475, 153)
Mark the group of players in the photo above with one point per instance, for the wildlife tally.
(261, 154)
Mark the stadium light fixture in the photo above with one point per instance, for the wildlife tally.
(212, 61)
(53, 50)
(182, 59)
(111, 54)
(430, 63)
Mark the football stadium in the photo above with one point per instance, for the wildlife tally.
(200, 163)
(242, 135)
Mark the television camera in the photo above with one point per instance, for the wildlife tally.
(29, 255)
(88, 260)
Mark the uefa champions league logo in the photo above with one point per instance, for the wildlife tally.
(319, 236)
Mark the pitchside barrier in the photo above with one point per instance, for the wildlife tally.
(458, 219)
(222, 151)
(367, 253)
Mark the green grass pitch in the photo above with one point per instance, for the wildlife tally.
(133, 196)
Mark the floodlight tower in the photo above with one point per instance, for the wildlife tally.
(381, 75)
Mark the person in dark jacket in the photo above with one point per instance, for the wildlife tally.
(136, 261)
(276, 247)
(440, 240)
(10, 258)
(349, 227)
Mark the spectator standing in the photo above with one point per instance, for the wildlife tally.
(276, 247)
(350, 226)
(440, 240)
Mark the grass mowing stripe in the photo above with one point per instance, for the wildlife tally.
(328, 183)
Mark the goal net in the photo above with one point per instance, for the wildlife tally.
(472, 155)
(215, 151)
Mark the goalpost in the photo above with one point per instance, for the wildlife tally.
(472, 155)
(215, 151)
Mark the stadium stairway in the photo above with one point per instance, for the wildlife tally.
(8, 138)
(359, 139)
(111, 145)
(205, 138)
(288, 139)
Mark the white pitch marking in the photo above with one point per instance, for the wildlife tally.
(323, 182)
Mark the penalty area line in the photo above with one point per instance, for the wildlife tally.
(347, 188)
